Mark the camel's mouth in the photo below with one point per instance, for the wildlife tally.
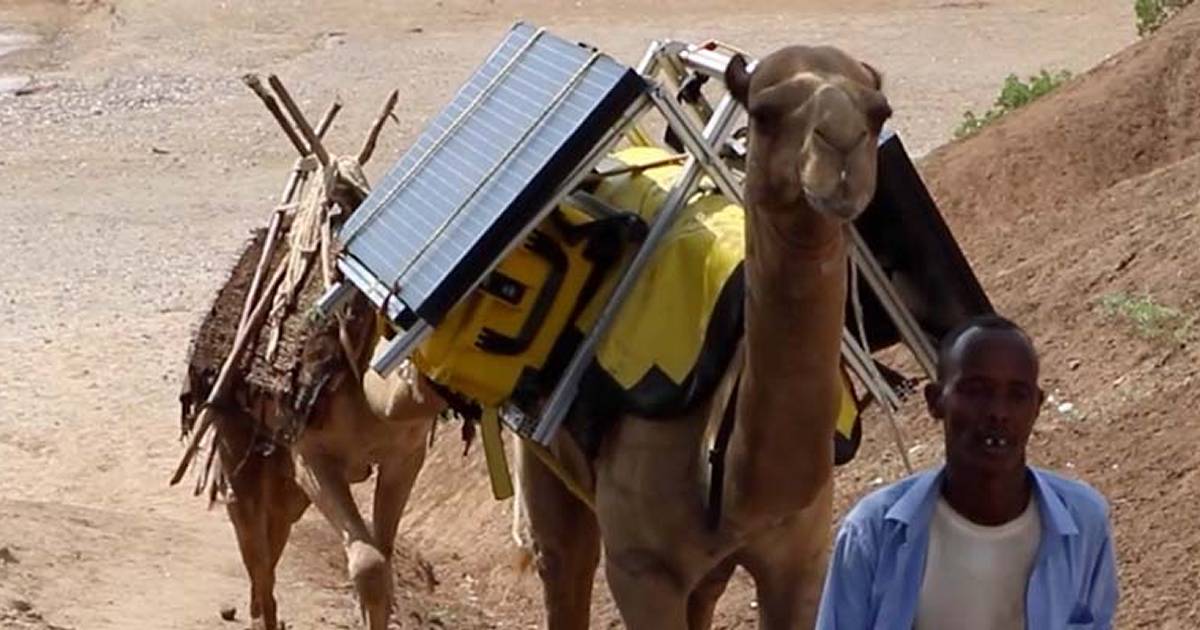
(836, 207)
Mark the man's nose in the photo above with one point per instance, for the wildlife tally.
(999, 411)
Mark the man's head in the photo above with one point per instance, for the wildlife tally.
(986, 395)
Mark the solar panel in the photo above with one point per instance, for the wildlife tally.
(483, 170)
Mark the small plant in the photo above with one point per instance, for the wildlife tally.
(1150, 319)
(1152, 14)
(1013, 95)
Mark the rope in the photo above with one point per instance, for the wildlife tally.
(304, 239)
(887, 405)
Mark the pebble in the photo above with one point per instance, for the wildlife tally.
(228, 613)
(71, 100)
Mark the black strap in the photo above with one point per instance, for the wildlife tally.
(716, 458)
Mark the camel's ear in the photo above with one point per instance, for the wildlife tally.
(876, 78)
(737, 79)
(878, 111)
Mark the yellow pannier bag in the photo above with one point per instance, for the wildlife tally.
(671, 339)
(495, 341)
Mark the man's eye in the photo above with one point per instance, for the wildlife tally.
(1020, 393)
(973, 388)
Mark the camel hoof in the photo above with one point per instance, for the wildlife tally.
(363, 560)
(372, 576)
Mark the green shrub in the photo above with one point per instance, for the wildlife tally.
(1013, 95)
(1152, 14)
(1150, 319)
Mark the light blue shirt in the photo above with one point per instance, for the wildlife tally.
(878, 561)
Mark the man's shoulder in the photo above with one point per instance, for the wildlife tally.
(872, 509)
(1081, 498)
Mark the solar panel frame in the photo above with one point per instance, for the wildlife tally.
(476, 210)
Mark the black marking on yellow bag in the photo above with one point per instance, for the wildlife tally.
(496, 342)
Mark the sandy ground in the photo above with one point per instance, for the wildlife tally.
(132, 165)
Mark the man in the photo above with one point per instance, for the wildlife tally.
(984, 542)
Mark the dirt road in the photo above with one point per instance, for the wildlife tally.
(132, 165)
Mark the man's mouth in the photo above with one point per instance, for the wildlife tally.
(995, 443)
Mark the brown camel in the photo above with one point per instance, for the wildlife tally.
(815, 118)
(277, 454)
(356, 425)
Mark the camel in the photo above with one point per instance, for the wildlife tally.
(356, 425)
(815, 117)
(278, 456)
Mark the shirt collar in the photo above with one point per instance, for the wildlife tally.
(1054, 512)
(914, 508)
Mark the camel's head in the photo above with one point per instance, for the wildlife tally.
(815, 118)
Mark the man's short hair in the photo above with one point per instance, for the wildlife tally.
(985, 321)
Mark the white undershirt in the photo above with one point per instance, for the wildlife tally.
(976, 576)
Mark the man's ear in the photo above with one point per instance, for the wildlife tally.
(933, 400)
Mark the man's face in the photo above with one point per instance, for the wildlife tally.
(988, 401)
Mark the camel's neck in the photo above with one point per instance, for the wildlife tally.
(795, 295)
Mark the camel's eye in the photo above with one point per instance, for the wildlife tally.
(822, 139)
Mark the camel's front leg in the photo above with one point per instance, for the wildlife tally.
(397, 475)
(788, 566)
(702, 602)
(649, 594)
(324, 482)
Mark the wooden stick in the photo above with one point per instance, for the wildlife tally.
(294, 180)
(256, 84)
(369, 146)
(633, 168)
(214, 484)
(206, 472)
(221, 387)
(301, 122)
(325, 244)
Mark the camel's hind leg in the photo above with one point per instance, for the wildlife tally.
(266, 501)
(788, 566)
(566, 542)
